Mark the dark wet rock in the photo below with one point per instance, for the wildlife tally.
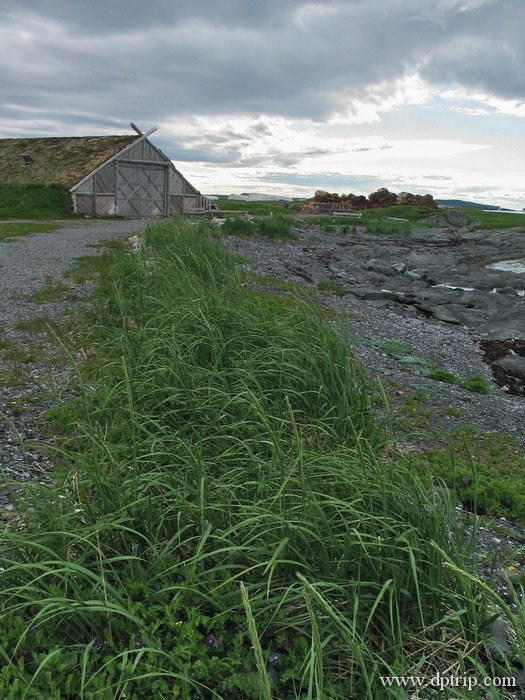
(456, 314)
(413, 275)
(423, 274)
(370, 293)
(429, 298)
(505, 326)
(456, 219)
(399, 267)
(513, 365)
(379, 266)
(494, 351)
(498, 646)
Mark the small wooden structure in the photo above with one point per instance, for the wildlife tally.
(330, 208)
(106, 175)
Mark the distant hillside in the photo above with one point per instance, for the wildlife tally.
(462, 203)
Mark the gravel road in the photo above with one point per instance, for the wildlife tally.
(26, 263)
(29, 387)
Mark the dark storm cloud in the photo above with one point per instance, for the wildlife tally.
(106, 62)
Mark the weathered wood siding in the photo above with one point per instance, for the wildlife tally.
(142, 189)
(138, 181)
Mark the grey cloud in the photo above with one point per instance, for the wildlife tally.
(478, 188)
(101, 16)
(204, 155)
(329, 181)
(108, 62)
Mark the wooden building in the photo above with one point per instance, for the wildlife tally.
(106, 175)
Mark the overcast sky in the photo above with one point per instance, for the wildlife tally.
(283, 96)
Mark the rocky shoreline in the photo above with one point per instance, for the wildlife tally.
(440, 277)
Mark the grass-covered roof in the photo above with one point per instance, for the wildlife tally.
(57, 160)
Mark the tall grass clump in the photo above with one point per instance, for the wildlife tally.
(267, 227)
(224, 522)
(387, 227)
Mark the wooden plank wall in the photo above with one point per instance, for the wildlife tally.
(97, 195)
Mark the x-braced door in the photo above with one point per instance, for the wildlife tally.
(141, 189)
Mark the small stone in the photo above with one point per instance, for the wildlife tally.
(399, 267)
(497, 644)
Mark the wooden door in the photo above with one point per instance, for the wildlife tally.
(141, 190)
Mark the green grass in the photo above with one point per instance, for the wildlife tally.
(52, 291)
(484, 471)
(495, 220)
(10, 232)
(386, 227)
(224, 509)
(90, 267)
(277, 227)
(34, 202)
(334, 288)
(275, 282)
(253, 208)
(39, 324)
(400, 352)
(12, 379)
(440, 375)
(411, 213)
(28, 355)
(477, 384)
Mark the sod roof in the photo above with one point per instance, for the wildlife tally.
(57, 160)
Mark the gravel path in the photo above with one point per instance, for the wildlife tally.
(30, 385)
(26, 263)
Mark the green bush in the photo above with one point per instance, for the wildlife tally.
(277, 227)
(484, 471)
(439, 375)
(387, 227)
(478, 384)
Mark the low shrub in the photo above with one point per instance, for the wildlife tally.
(440, 375)
(477, 384)
(277, 227)
(387, 227)
(483, 470)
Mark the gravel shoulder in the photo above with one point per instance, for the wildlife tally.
(32, 375)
